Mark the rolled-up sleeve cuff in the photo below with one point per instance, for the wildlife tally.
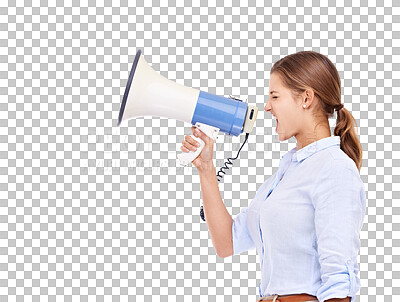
(241, 238)
(342, 284)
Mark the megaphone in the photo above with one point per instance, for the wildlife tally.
(148, 93)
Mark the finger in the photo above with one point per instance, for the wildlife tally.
(189, 146)
(195, 129)
(203, 136)
(192, 141)
(184, 149)
(198, 133)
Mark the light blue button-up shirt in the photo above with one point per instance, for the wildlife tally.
(304, 222)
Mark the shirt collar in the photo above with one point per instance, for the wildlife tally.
(314, 147)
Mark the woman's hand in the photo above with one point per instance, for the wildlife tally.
(204, 160)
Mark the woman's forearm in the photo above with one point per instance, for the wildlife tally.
(218, 219)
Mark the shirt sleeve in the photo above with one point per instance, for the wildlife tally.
(241, 238)
(339, 201)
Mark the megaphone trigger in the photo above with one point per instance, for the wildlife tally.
(210, 131)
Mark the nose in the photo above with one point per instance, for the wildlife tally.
(267, 106)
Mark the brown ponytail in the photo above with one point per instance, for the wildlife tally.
(348, 136)
(311, 70)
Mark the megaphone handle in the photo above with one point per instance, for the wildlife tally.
(186, 158)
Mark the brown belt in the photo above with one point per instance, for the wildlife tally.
(290, 298)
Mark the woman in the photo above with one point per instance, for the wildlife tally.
(305, 219)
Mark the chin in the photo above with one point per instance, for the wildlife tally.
(283, 136)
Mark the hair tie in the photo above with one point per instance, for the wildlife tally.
(339, 107)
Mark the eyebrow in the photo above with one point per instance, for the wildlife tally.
(273, 92)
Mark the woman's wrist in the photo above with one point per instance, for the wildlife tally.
(206, 167)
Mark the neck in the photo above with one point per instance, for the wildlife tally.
(308, 137)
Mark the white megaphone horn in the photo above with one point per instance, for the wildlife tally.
(148, 93)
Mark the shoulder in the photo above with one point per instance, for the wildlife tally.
(335, 160)
(336, 180)
(336, 170)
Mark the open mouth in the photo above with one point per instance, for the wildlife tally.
(276, 122)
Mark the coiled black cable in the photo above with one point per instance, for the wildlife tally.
(221, 171)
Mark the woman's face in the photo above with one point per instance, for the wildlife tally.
(287, 110)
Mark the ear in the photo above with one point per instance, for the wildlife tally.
(308, 97)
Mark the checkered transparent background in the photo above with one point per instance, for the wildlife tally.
(95, 212)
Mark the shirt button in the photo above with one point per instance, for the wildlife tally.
(348, 261)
